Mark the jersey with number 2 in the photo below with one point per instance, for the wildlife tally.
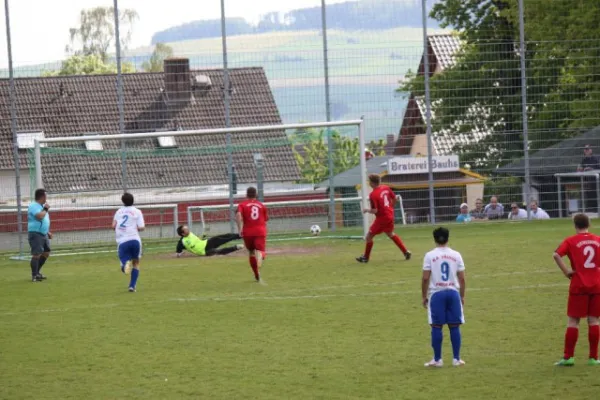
(128, 220)
(255, 217)
(444, 264)
(583, 251)
(382, 199)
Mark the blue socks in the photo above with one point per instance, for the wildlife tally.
(436, 342)
(456, 341)
(134, 277)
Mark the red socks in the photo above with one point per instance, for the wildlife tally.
(594, 338)
(368, 248)
(571, 337)
(396, 239)
(254, 265)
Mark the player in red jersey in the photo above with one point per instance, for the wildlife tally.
(583, 250)
(252, 220)
(382, 205)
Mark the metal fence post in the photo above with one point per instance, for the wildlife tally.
(330, 144)
(227, 100)
(522, 45)
(428, 115)
(13, 126)
(120, 103)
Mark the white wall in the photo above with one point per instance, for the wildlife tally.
(8, 191)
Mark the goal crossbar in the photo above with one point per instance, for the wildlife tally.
(359, 123)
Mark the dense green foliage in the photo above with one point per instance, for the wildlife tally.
(483, 89)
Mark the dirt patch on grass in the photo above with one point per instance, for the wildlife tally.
(278, 250)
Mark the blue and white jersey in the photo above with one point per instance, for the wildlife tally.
(444, 264)
(128, 220)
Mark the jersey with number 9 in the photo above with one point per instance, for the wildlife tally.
(255, 217)
(583, 251)
(444, 264)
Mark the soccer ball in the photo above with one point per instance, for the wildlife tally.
(315, 230)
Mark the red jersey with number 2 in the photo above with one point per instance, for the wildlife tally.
(382, 199)
(255, 217)
(583, 251)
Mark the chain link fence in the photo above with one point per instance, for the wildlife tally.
(475, 111)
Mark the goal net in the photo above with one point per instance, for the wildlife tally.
(308, 174)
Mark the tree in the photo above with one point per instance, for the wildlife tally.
(88, 65)
(156, 62)
(312, 153)
(482, 90)
(95, 34)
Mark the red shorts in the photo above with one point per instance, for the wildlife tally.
(583, 305)
(255, 243)
(381, 226)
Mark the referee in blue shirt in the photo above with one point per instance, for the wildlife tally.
(39, 235)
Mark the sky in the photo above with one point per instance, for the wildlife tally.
(40, 28)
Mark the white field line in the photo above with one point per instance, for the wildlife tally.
(267, 298)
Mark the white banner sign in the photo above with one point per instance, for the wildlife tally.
(418, 165)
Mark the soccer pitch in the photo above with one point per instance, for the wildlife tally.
(325, 327)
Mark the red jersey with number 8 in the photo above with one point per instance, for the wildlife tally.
(383, 199)
(255, 218)
(583, 251)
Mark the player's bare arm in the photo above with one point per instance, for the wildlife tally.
(42, 214)
(425, 287)
(239, 221)
(463, 285)
(114, 224)
(563, 267)
(370, 211)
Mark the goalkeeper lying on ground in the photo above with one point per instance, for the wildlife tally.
(205, 247)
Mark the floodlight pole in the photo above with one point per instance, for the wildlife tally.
(428, 115)
(330, 144)
(523, 49)
(13, 127)
(227, 101)
(120, 103)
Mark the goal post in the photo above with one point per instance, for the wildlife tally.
(195, 167)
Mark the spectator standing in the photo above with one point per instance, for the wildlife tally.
(589, 162)
(494, 210)
(516, 212)
(479, 211)
(464, 215)
(38, 234)
(537, 212)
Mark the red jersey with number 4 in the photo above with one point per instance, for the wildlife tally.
(382, 199)
(583, 251)
(255, 217)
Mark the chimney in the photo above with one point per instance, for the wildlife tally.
(178, 86)
(390, 144)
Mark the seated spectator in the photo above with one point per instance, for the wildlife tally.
(516, 212)
(464, 215)
(478, 212)
(537, 212)
(494, 210)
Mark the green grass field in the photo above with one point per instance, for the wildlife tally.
(325, 327)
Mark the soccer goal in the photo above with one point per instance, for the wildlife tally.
(308, 174)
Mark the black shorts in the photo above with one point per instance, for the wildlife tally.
(39, 243)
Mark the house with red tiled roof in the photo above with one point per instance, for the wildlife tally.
(177, 99)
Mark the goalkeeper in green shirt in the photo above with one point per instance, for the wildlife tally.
(205, 247)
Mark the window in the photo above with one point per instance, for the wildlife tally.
(26, 140)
